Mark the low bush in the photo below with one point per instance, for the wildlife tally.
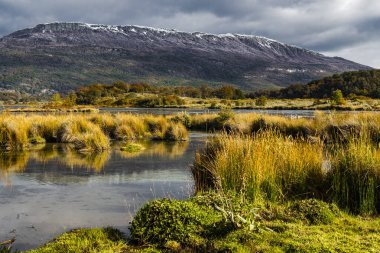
(161, 222)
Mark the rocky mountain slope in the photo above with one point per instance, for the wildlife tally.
(62, 56)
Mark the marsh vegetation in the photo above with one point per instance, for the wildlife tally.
(84, 132)
(263, 183)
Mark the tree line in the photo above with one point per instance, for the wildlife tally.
(121, 91)
(355, 83)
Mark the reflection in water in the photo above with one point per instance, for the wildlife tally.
(52, 189)
(92, 161)
(169, 150)
(12, 162)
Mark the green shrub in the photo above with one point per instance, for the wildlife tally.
(313, 211)
(261, 101)
(337, 98)
(162, 221)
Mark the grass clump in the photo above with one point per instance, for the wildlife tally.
(183, 118)
(266, 165)
(45, 126)
(131, 127)
(314, 211)
(85, 135)
(13, 133)
(157, 126)
(106, 122)
(132, 147)
(356, 176)
(37, 140)
(287, 127)
(176, 132)
(100, 240)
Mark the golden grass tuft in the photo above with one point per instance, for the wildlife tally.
(266, 165)
(356, 176)
(85, 135)
(13, 132)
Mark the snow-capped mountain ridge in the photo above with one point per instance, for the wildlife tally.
(84, 52)
(142, 30)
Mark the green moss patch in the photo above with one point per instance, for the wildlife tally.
(86, 240)
(132, 148)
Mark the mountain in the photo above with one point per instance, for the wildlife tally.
(62, 56)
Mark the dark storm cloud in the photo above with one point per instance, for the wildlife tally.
(348, 28)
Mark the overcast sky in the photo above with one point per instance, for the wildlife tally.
(346, 28)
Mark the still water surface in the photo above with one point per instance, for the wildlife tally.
(53, 189)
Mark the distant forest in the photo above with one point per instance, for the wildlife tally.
(357, 83)
(351, 84)
(120, 93)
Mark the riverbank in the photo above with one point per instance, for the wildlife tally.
(217, 223)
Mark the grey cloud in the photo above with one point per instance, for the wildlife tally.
(332, 26)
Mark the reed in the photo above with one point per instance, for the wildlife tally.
(266, 165)
(356, 176)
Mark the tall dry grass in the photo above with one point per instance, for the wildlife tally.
(274, 166)
(13, 132)
(85, 135)
(326, 127)
(86, 132)
(266, 165)
(356, 175)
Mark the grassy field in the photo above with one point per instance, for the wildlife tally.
(147, 100)
(283, 104)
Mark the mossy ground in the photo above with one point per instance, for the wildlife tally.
(212, 223)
